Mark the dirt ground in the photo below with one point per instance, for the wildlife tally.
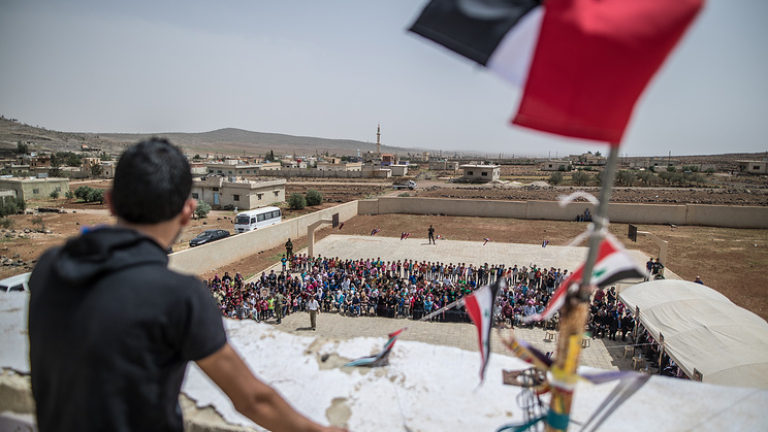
(732, 261)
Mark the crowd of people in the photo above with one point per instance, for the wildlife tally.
(394, 289)
(410, 289)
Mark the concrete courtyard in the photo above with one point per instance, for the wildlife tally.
(600, 353)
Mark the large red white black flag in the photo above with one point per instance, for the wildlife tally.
(582, 64)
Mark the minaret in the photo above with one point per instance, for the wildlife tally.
(378, 140)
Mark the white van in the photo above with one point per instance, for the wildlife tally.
(259, 218)
(18, 283)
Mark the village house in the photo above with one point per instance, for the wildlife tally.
(556, 165)
(753, 167)
(243, 194)
(29, 188)
(480, 173)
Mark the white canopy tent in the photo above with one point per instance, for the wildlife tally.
(704, 330)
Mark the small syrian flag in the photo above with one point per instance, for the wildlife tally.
(438, 237)
(375, 231)
(404, 236)
(544, 243)
(382, 358)
(486, 241)
(612, 264)
(582, 64)
(479, 306)
(341, 225)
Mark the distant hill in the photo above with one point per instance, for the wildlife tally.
(230, 141)
(236, 141)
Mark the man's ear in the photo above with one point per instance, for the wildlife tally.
(110, 204)
(190, 205)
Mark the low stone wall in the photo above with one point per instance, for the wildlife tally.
(679, 214)
(224, 252)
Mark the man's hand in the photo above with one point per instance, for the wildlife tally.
(252, 397)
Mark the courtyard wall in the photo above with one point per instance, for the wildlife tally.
(725, 216)
(201, 259)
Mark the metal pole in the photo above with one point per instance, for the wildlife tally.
(574, 315)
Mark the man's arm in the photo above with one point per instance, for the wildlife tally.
(252, 397)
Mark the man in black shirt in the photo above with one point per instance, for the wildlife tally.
(431, 233)
(111, 329)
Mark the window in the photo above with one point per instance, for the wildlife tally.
(230, 172)
(35, 191)
(210, 171)
(484, 173)
(219, 172)
(215, 189)
(259, 196)
(195, 195)
(236, 197)
(756, 167)
(277, 193)
(470, 173)
(261, 217)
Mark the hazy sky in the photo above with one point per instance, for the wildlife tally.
(337, 68)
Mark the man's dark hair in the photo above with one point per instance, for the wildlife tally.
(152, 182)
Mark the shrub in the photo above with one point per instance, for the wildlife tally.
(296, 201)
(69, 195)
(556, 178)
(202, 210)
(55, 194)
(626, 178)
(581, 178)
(82, 192)
(313, 197)
(11, 206)
(404, 194)
(6, 223)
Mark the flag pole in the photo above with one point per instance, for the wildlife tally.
(575, 312)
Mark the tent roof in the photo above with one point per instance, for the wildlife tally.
(704, 330)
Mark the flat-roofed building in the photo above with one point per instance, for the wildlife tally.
(223, 192)
(753, 167)
(28, 188)
(348, 166)
(556, 165)
(481, 173)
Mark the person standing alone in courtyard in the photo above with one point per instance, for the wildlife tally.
(112, 329)
(314, 308)
(431, 232)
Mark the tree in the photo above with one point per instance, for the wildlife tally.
(197, 156)
(105, 157)
(598, 154)
(55, 194)
(555, 178)
(313, 197)
(647, 177)
(671, 169)
(296, 201)
(95, 195)
(581, 178)
(202, 210)
(21, 148)
(626, 178)
(73, 160)
(710, 171)
(96, 170)
(82, 192)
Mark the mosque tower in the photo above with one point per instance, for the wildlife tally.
(378, 140)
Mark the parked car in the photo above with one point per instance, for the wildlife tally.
(208, 236)
(18, 283)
